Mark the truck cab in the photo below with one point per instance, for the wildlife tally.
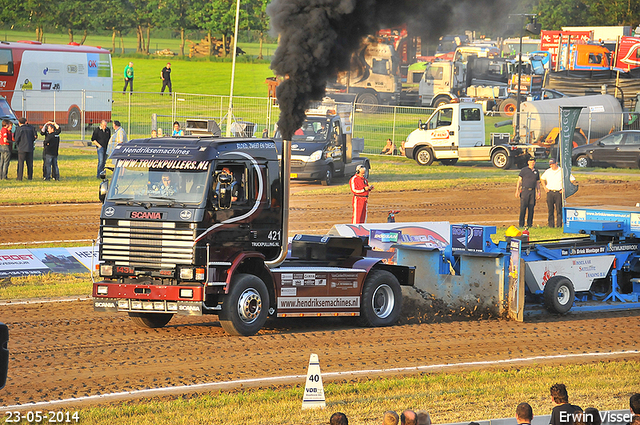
(455, 132)
(323, 147)
(441, 82)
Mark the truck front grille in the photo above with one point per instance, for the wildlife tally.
(147, 244)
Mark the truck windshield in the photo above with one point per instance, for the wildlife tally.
(313, 130)
(157, 186)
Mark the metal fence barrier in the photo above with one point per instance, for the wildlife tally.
(141, 112)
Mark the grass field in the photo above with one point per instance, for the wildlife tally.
(448, 397)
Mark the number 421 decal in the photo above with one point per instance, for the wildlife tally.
(274, 235)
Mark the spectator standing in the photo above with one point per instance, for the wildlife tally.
(423, 417)
(25, 138)
(551, 181)
(360, 188)
(154, 134)
(100, 139)
(390, 418)
(165, 74)
(6, 138)
(524, 414)
(177, 131)
(563, 413)
(118, 136)
(51, 133)
(160, 134)
(338, 418)
(408, 417)
(528, 190)
(265, 133)
(128, 77)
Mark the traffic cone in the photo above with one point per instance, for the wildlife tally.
(313, 390)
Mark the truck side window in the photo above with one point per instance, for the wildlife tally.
(470, 114)
(229, 187)
(6, 62)
(595, 58)
(380, 66)
(444, 117)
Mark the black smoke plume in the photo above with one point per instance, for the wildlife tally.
(317, 38)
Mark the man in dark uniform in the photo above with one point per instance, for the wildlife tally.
(24, 137)
(165, 74)
(528, 190)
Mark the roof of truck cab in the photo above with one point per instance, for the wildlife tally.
(190, 148)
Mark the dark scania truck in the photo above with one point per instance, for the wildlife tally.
(198, 225)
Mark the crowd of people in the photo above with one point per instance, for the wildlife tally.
(563, 413)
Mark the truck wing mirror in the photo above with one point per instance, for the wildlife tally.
(104, 188)
(224, 191)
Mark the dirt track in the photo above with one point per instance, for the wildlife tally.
(484, 204)
(61, 350)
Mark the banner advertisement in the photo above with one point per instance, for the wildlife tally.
(433, 234)
(568, 118)
(26, 262)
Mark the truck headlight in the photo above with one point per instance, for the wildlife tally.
(106, 270)
(103, 290)
(186, 274)
(315, 156)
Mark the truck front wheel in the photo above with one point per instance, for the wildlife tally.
(328, 177)
(150, 320)
(381, 299)
(501, 159)
(245, 308)
(559, 295)
(424, 156)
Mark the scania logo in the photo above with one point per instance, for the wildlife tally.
(188, 308)
(147, 215)
(109, 211)
(185, 214)
(105, 304)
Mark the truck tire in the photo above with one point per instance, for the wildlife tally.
(583, 161)
(452, 161)
(245, 308)
(424, 156)
(328, 177)
(368, 102)
(381, 299)
(74, 119)
(507, 107)
(559, 295)
(501, 159)
(150, 320)
(441, 101)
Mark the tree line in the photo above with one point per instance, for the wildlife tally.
(83, 17)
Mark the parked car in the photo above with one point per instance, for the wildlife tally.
(552, 94)
(619, 149)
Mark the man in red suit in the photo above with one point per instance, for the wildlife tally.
(360, 188)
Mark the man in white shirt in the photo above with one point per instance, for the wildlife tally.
(551, 181)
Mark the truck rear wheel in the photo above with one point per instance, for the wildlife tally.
(150, 320)
(74, 119)
(368, 102)
(559, 295)
(381, 299)
(424, 156)
(501, 159)
(507, 107)
(245, 308)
